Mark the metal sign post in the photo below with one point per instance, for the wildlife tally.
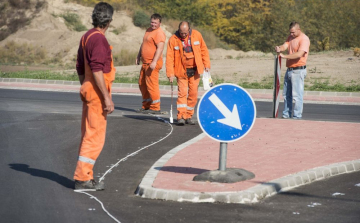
(223, 156)
(276, 95)
(226, 113)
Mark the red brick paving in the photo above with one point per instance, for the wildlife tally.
(274, 148)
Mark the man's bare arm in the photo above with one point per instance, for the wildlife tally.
(296, 55)
(159, 50)
(137, 61)
(281, 48)
(81, 78)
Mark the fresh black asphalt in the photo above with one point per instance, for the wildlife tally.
(39, 138)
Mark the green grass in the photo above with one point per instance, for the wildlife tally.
(266, 83)
(52, 75)
(256, 85)
(48, 75)
(325, 86)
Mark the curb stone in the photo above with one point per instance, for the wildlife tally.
(168, 87)
(248, 196)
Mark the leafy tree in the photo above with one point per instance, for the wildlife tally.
(262, 24)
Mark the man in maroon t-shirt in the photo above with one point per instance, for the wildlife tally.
(96, 74)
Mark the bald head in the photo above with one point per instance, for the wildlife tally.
(184, 28)
(184, 24)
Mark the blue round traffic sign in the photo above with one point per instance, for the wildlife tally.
(226, 112)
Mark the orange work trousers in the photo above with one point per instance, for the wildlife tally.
(93, 131)
(187, 96)
(149, 87)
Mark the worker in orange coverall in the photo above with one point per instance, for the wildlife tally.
(186, 59)
(96, 74)
(150, 54)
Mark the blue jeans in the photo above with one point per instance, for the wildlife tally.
(293, 90)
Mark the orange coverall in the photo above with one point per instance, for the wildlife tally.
(149, 79)
(93, 122)
(176, 66)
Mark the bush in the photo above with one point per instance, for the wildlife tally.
(211, 40)
(73, 22)
(323, 45)
(141, 19)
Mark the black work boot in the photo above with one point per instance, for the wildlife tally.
(141, 110)
(150, 111)
(189, 121)
(89, 185)
(181, 122)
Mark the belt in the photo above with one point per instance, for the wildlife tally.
(297, 68)
(191, 68)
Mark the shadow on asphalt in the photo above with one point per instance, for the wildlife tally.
(147, 117)
(296, 194)
(66, 182)
(179, 169)
(277, 188)
(124, 109)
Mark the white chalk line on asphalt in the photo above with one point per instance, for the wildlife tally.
(102, 205)
(136, 152)
(122, 160)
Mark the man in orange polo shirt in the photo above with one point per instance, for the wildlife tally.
(298, 45)
(150, 54)
(187, 57)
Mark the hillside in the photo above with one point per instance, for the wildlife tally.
(48, 31)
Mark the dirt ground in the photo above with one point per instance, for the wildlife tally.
(48, 30)
(336, 67)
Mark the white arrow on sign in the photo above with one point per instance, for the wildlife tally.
(231, 118)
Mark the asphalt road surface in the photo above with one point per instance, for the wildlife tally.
(39, 138)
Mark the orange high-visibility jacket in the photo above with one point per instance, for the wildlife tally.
(174, 55)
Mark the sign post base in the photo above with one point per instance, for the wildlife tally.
(230, 175)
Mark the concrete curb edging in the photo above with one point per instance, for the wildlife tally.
(168, 87)
(251, 195)
(310, 97)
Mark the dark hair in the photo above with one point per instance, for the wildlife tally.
(156, 16)
(184, 22)
(293, 24)
(102, 14)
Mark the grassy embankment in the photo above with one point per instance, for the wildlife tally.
(27, 55)
(265, 83)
